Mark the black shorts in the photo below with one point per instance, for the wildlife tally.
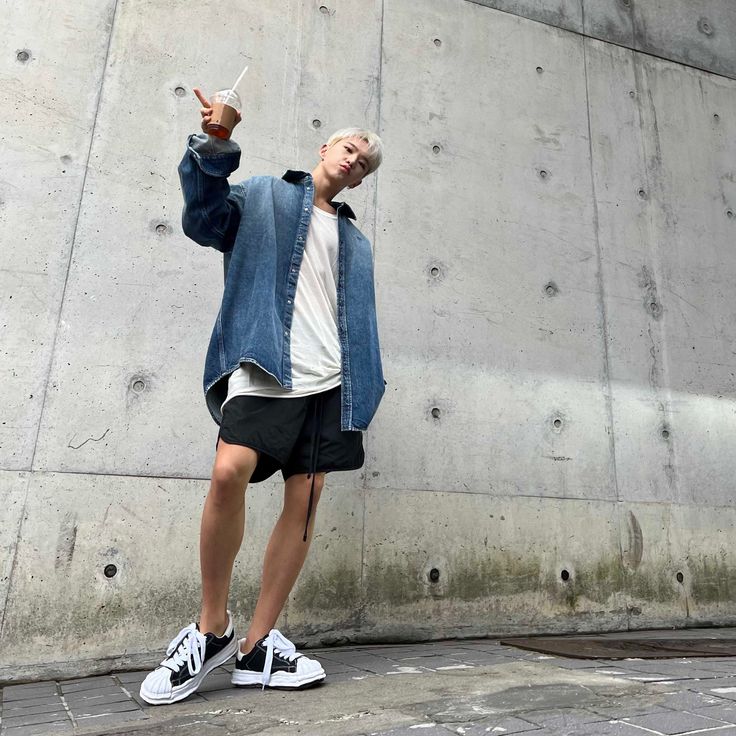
(293, 435)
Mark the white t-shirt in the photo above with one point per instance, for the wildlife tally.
(315, 346)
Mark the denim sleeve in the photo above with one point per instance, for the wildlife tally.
(212, 207)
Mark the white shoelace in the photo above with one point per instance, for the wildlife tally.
(187, 647)
(277, 642)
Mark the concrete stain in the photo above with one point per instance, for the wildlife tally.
(712, 579)
(328, 589)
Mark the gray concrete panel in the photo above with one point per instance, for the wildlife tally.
(489, 425)
(696, 227)
(471, 565)
(47, 118)
(698, 34)
(664, 226)
(489, 284)
(125, 394)
(628, 223)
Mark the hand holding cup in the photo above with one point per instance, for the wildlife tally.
(213, 120)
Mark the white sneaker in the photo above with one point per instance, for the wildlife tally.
(190, 657)
(274, 662)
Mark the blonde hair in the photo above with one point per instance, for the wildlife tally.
(374, 153)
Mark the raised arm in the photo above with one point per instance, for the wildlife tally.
(212, 208)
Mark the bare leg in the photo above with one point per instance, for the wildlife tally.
(221, 533)
(285, 554)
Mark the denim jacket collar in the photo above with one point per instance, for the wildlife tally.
(294, 177)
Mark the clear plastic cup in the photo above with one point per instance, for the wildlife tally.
(226, 105)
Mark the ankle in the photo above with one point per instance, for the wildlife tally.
(247, 644)
(213, 624)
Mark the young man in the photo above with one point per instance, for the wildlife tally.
(292, 375)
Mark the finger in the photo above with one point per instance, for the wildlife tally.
(205, 111)
(205, 102)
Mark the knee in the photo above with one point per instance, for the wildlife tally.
(229, 478)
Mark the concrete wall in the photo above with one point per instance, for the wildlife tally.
(554, 236)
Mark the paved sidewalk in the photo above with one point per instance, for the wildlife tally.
(461, 687)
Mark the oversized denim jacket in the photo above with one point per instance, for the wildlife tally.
(261, 226)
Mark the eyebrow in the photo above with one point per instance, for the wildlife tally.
(360, 153)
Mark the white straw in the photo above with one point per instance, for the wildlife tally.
(242, 74)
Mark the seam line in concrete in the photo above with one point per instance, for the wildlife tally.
(379, 91)
(74, 238)
(601, 285)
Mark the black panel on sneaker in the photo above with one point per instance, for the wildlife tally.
(255, 660)
(215, 644)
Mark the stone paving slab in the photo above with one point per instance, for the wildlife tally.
(676, 723)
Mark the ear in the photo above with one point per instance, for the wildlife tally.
(323, 150)
(357, 184)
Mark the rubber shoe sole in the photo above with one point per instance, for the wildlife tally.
(192, 685)
(279, 680)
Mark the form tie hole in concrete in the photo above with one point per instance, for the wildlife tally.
(436, 149)
(665, 434)
(565, 575)
(705, 27)
(179, 91)
(632, 93)
(437, 42)
(680, 578)
(110, 571)
(324, 9)
(716, 116)
(654, 308)
(436, 413)
(435, 271)
(161, 228)
(551, 289)
(730, 214)
(543, 173)
(23, 56)
(434, 575)
(626, 3)
(642, 193)
(138, 385)
(540, 70)
(557, 423)
(316, 123)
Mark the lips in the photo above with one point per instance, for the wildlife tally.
(346, 169)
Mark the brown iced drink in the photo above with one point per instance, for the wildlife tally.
(225, 107)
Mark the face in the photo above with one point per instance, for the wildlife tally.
(345, 161)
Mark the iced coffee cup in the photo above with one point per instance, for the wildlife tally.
(225, 108)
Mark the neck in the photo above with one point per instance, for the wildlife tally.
(325, 190)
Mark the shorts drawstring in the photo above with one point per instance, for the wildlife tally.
(314, 455)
